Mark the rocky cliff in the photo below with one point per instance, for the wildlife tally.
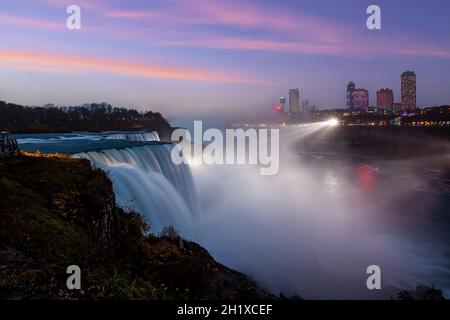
(56, 211)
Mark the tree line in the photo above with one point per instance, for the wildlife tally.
(89, 117)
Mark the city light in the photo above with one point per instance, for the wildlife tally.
(332, 122)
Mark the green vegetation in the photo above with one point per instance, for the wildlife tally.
(56, 211)
(91, 117)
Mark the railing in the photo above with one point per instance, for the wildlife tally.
(8, 145)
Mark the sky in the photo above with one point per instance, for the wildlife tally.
(200, 58)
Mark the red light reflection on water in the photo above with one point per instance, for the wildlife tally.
(365, 177)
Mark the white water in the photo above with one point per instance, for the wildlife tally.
(145, 179)
(307, 230)
(67, 137)
(141, 137)
(74, 137)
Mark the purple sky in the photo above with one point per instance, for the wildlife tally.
(207, 57)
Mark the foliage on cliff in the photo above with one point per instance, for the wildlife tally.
(56, 211)
(91, 117)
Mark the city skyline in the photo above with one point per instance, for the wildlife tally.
(221, 57)
(359, 98)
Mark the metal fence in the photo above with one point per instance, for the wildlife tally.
(8, 145)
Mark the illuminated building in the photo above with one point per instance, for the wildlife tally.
(350, 90)
(282, 103)
(361, 99)
(385, 99)
(397, 106)
(408, 87)
(294, 100)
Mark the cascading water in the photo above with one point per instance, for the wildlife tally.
(311, 230)
(146, 178)
(141, 137)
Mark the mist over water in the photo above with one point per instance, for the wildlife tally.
(315, 227)
(310, 230)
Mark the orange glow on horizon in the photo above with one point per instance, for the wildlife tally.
(71, 63)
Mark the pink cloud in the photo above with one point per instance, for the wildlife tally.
(84, 4)
(266, 18)
(282, 30)
(73, 63)
(423, 51)
(262, 45)
(290, 32)
(30, 22)
(198, 12)
(365, 48)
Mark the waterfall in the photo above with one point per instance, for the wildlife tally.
(141, 137)
(146, 178)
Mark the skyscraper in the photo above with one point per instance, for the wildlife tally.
(385, 99)
(350, 90)
(282, 103)
(361, 99)
(294, 100)
(408, 84)
(305, 105)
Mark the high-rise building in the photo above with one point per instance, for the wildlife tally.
(408, 84)
(282, 103)
(361, 99)
(385, 99)
(304, 105)
(294, 100)
(350, 90)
